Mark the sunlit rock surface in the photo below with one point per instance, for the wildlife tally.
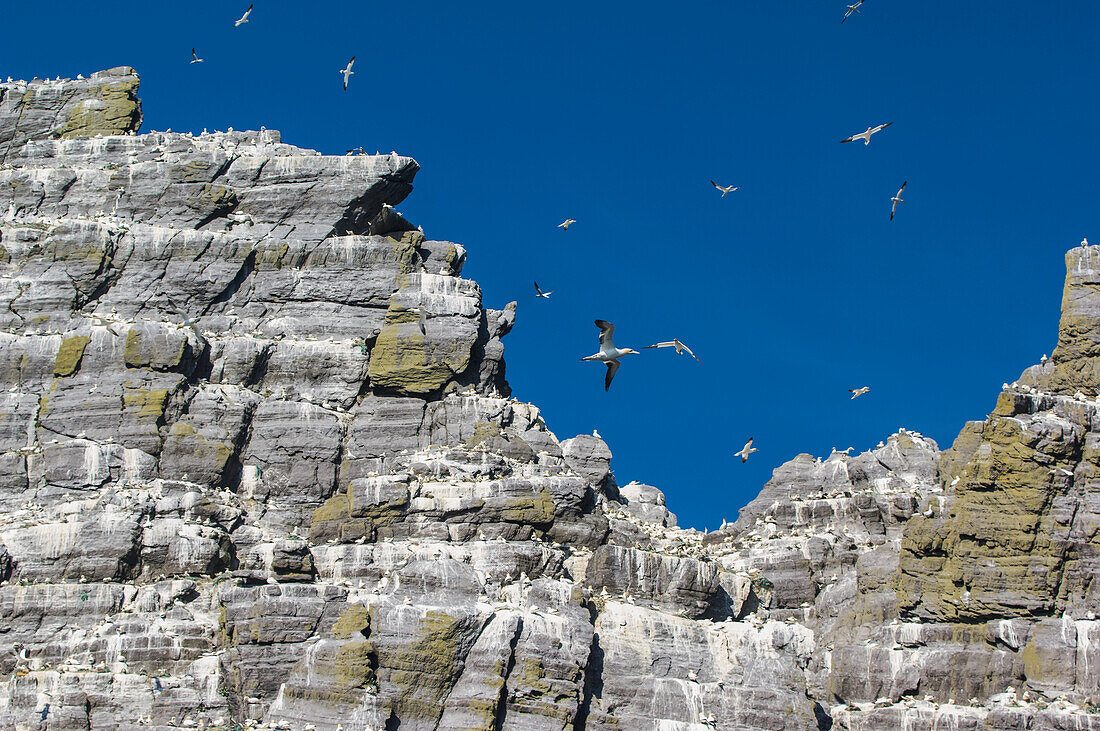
(260, 467)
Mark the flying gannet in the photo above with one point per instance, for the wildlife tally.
(356, 151)
(564, 225)
(853, 8)
(674, 343)
(725, 188)
(243, 18)
(857, 392)
(608, 353)
(746, 451)
(866, 136)
(347, 72)
(540, 293)
(194, 57)
(897, 199)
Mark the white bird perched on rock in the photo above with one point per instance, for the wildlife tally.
(854, 8)
(608, 353)
(564, 225)
(243, 18)
(866, 136)
(194, 57)
(540, 293)
(1044, 359)
(897, 199)
(746, 451)
(674, 343)
(347, 72)
(725, 188)
(1084, 241)
(857, 392)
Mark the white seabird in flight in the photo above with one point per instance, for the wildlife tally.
(866, 136)
(725, 188)
(540, 293)
(853, 8)
(674, 343)
(347, 72)
(897, 199)
(746, 451)
(243, 18)
(194, 57)
(564, 225)
(857, 392)
(608, 353)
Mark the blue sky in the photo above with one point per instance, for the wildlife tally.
(791, 290)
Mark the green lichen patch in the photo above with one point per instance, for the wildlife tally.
(111, 109)
(354, 620)
(69, 355)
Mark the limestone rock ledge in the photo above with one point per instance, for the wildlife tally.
(259, 467)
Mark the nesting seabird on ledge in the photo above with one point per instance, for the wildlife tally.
(866, 136)
(680, 348)
(608, 353)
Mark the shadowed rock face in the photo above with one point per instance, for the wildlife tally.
(259, 465)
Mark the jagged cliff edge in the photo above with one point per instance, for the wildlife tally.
(239, 485)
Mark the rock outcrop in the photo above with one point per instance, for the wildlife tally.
(259, 466)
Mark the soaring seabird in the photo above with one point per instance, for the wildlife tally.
(194, 57)
(725, 188)
(540, 293)
(356, 151)
(674, 343)
(564, 225)
(897, 199)
(746, 451)
(347, 72)
(857, 392)
(866, 136)
(854, 8)
(243, 18)
(608, 353)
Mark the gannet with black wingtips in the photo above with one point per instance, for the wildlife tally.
(564, 225)
(853, 8)
(725, 188)
(857, 392)
(746, 451)
(608, 353)
(243, 18)
(347, 72)
(866, 136)
(194, 57)
(897, 199)
(680, 348)
(540, 293)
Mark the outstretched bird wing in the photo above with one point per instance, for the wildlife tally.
(612, 369)
(607, 330)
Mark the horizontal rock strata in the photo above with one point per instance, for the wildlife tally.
(260, 467)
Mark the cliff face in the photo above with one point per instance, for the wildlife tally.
(258, 465)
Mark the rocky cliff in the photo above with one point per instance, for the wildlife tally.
(259, 467)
